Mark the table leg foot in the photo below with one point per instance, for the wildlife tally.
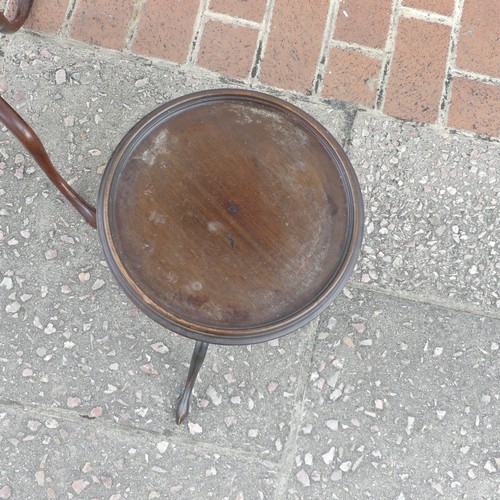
(199, 352)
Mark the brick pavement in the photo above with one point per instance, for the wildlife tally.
(429, 61)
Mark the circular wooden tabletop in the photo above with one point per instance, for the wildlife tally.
(230, 216)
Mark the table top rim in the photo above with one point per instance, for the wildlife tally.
(233, 335)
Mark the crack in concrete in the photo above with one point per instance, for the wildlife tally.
(103, 425)
(429, 300)
(290, 448)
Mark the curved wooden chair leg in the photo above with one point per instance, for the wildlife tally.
(16, 15)
(26, 135)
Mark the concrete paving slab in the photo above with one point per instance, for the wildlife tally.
(113, 363)
(432, 202)
(47, 456)
(402, 402)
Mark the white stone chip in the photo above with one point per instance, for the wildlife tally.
(51, 423)
(159, 347)
(13, 307)
(345, 466)
(332, 424)
(194, 428)
(303, 478)
(490, 467)
(409, 425)
(99, 283)
(336, 475)
(162, 446)
(7, 283)
(215, 397)
(328, 456)
(60, 76)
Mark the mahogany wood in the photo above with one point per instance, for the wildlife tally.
(199, 352)
(230, 216)
(16, 14)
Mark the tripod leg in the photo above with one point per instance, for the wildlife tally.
(199, 352)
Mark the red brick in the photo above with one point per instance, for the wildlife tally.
(475, 106)
(479, 38)
(228, 49)
(102, 22)
(365, 22)
(351, 76)
(47, 15)
(443, 7)
(417, 70)
(246, 9)
(294, 44)
(166, 29)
